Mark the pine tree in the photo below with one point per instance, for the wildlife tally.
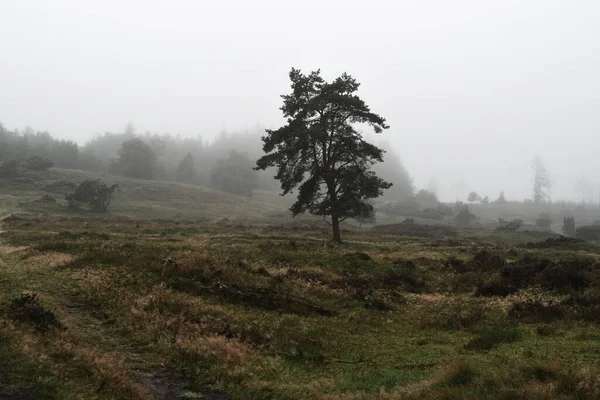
(320, 151)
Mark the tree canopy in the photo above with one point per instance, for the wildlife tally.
(321, 152)
(185, 169)
(234, 174)
(137, 159)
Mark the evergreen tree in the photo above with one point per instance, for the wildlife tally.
(320, 151)
(136, 159)
(185, 170)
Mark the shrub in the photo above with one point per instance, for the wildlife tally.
(465, 216)
(509, 226)
(493, 336)
(495, 288)
(562, 276)
(403, 273)
(544, 221)
(28, 310)
(456, 265)
(95, 193)
(536, 310)
(588, 233)
(36, 163)
(485, 259)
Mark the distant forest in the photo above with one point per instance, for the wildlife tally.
(224, 163)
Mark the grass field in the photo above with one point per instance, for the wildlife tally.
(112, 307)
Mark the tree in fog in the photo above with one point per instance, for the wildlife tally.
(501, 199)
(426, 199)
(473, 197)
(568, 227)
(235, 174)
(320, 151)
(185, 170)
(393, 170)
(93, 192)
(541, 181)
(136, 159)
(544, 221)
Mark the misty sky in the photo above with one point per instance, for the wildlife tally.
(472, 89)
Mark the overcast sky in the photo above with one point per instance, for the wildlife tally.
(472, 89)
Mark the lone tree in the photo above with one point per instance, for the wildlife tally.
(541, 181)
(320, 150)
(473, 197)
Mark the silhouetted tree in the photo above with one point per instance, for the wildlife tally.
(320, 150)
(485, 200)
(136, 159)
(235, 174)
(541, 181)
(185, 170)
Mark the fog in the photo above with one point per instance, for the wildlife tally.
(472, 90)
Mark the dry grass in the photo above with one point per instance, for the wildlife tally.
(126, 309)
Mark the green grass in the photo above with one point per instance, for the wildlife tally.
(265, 312)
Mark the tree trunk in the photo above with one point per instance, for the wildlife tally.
(335, 223)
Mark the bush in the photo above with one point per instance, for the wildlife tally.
(465, 216)
(96, 194)
(36, 163)
(495, 288)
(484, 259)
(588, 233)
(456, 265)
(544, 221)
(28, 310)
(403, 273)
(493, 336)
(536, 310)
(509, 226)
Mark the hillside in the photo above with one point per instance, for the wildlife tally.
(145, 199)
